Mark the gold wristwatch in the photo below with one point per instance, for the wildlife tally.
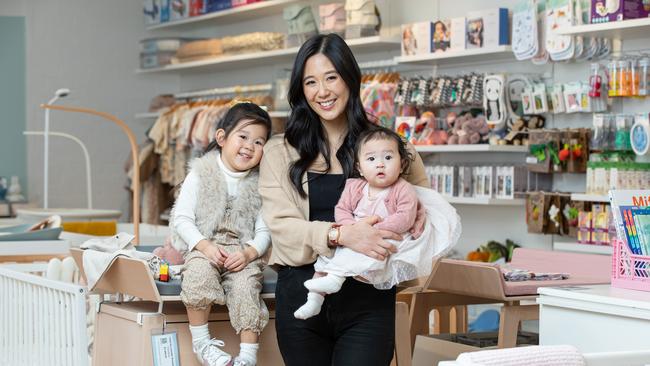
(333, 235)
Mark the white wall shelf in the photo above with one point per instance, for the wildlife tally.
(376, 43)
(626, 29)
(471, 148)
(233, 15)
(582, 248)
(460, 56)
(279, 114)
(485, 201)
(147, 115)
(589, 197)
(228, 62)
(154, 115)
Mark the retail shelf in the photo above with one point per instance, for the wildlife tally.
(471, 148)
(147, 115)
(626, 29)
(279, 114)
(233, 15)
(34, 247)
(460, 56)
(376, 43)
(589, 197)
(485, 201)
(228, 62)
(582, 248)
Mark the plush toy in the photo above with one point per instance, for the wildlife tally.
(427, 131)
(169, 253)
(468, 130)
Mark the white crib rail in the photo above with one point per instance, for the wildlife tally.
(42, 322)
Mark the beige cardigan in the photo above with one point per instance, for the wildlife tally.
(296, 241)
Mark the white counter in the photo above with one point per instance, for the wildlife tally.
(595, 318)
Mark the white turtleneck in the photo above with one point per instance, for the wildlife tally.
(185, 220)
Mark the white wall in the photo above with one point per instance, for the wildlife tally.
(90, 47)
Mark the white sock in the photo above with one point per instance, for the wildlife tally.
(248, 353)
(311, 307)
(328, 284)
(200, 334)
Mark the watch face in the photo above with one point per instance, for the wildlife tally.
(331, 235)
(639, 139)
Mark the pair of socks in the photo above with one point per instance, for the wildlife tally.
(247, 351)
(328, 285)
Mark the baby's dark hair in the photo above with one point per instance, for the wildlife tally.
(242, 111)
(382, 133)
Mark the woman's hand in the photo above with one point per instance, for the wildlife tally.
(365, 239)
(239, 260)
(215, 254)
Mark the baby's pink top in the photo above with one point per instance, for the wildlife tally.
(401, 204)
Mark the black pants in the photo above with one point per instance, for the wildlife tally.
(355, 327)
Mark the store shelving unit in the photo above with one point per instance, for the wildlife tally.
(238, 14)
(582, 248)
(233, 62)
(626, 29)
(589, 197)
(460, 56)
(485, 201)
(470, 148)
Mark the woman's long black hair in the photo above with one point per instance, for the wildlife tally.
(304, 130)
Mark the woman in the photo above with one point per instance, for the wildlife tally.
(302, 175)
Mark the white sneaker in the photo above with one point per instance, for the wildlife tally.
(209, 353)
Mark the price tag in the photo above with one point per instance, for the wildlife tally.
(165, 348)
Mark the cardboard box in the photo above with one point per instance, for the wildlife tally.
(179, 9)
(416, 38)
(123, 334)
(487, 28)
(441, 36)
(429, 350)
(616, 10)
(457, 34)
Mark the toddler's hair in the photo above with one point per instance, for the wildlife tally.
(242, 110)
(382, 133)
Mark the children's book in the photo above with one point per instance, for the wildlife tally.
(631, 211)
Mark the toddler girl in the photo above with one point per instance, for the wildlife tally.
(217, 225)
(382, 158)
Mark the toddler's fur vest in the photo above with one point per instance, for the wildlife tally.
(211, 202)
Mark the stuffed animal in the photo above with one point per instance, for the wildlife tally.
(468, 130)
(427, 131)
(169, 253)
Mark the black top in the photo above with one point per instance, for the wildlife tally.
(324, 192)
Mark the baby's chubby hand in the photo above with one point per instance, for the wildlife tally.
(371, 220)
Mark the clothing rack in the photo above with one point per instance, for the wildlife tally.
(225, 91)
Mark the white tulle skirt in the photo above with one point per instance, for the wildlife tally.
(414, 257)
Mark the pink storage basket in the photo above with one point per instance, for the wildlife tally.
(629, 270)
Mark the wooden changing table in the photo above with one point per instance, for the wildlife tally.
(123, 329)
(458, 283)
